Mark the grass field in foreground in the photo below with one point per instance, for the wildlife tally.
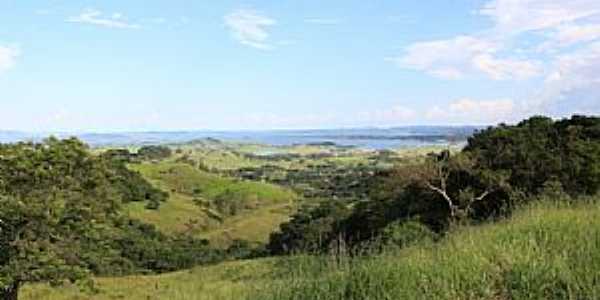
(546, 251)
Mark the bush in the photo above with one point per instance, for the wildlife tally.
(312, 229)
(154, 152)
(402, 234)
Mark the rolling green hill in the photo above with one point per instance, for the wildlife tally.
(218, 208)
(545, 251)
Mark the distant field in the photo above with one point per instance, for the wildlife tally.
(547, 251)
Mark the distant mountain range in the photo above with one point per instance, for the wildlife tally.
(360, 137)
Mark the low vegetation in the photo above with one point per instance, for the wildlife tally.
(547, 250)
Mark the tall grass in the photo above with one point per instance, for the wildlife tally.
(547, 251)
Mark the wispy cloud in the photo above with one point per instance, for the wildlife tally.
(323, 21)
(463, 56)
(8, 58)
(491, 52)
(249, 27)
(472, 111)
(97, 18)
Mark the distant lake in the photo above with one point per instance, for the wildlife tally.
(369, 138)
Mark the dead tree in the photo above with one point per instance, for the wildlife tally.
(434, 174)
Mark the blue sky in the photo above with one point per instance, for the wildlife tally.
(171, 65)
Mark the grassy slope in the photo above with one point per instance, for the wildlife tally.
(272, 204)
(224, 281)
(544, 252)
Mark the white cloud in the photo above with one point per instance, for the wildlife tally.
(443, 58)
(96, 17)
(470, 111)
(250, 28)
(560, 23)
(573, 86)
(516, 16)
(572, 34)
(323, 21)
(501, 69)
(465, 55)
(8, 57)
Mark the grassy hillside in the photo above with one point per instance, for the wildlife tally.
(544, 252)
(547, 251)
(197, 200)
(184, 179)
(224, 281)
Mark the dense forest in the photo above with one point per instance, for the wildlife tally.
(62, 217)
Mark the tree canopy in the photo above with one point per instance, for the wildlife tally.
(53, 196)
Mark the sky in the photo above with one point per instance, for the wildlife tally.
(142, 65)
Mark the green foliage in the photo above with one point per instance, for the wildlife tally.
(130, 184)
(539, 149)
(53, 197)
(312, 229)
(153, 152)
(405, 234)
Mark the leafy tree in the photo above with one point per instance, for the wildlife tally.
(154, 152)
(131, 184)
(312, 229)
(53, 196)
(455, 180)
(539, 149)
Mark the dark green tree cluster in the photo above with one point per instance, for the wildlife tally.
(154, 152)
(500, 168)
(130, 184)
(539, 150)
(53, 197)
(311, 229)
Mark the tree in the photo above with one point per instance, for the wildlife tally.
(154, 152)
(311, 229)
(456, 180)
(539, 149)
(54, 197)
